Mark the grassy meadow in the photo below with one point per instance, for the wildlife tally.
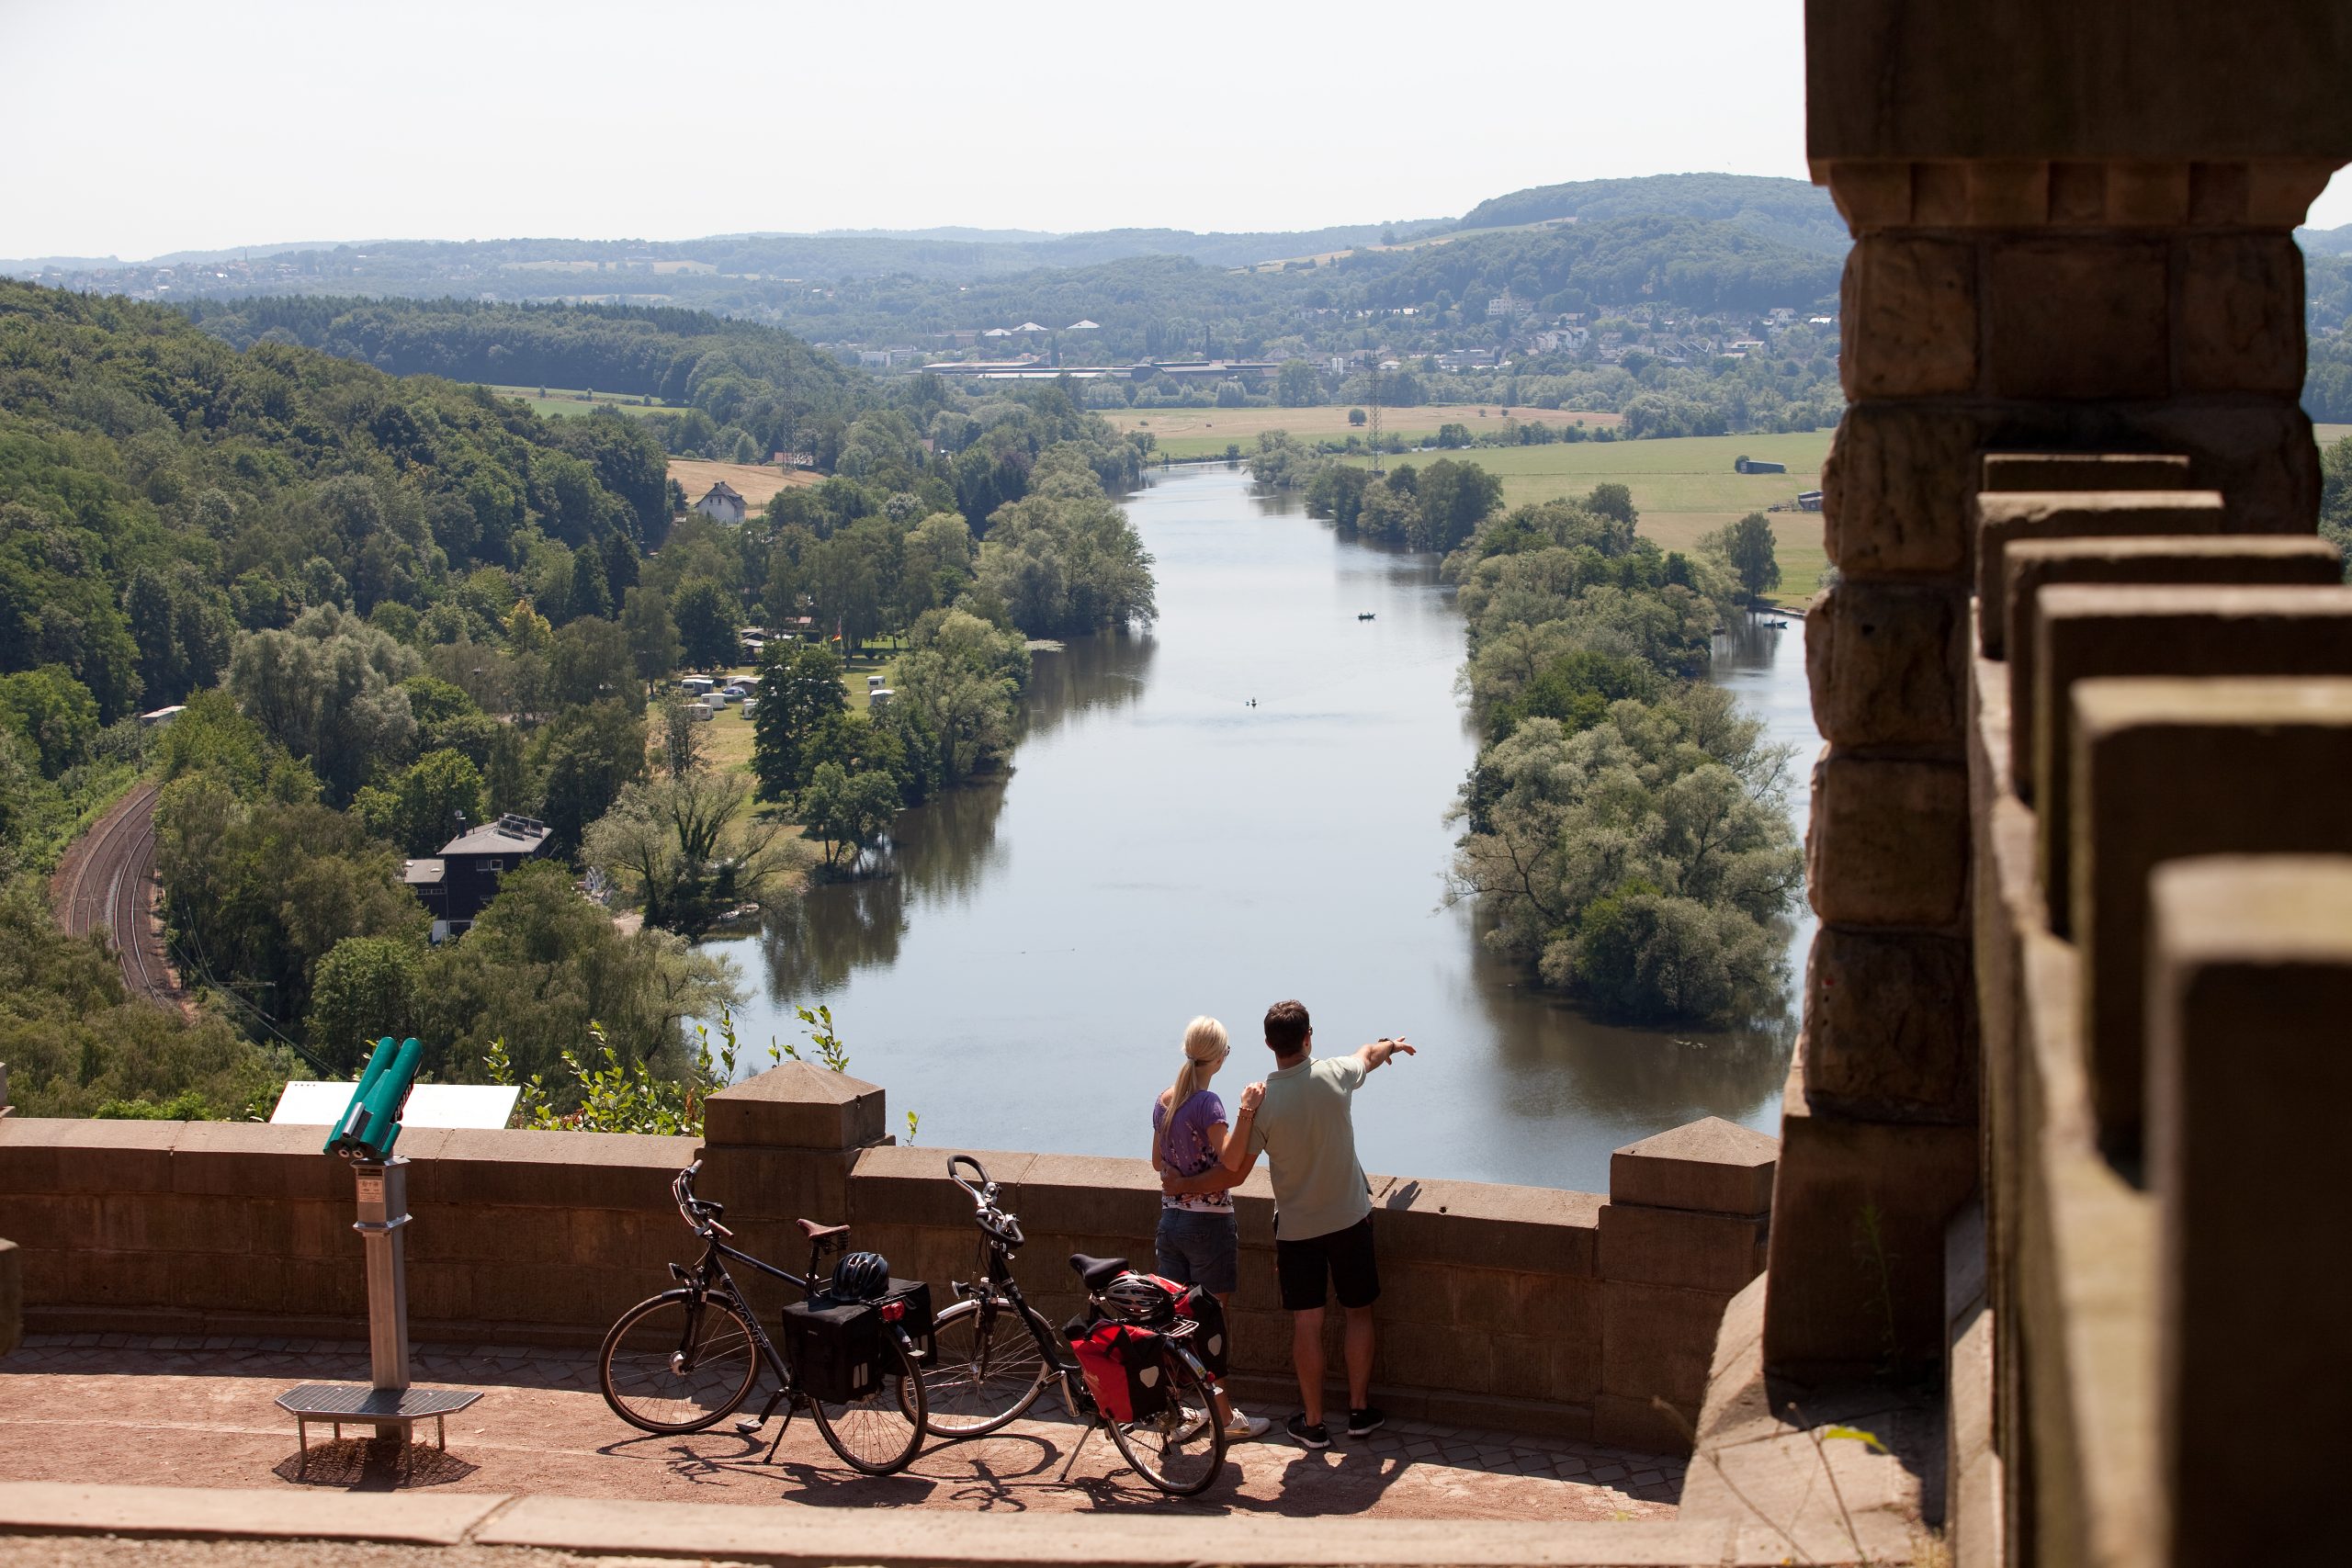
(563, 400)
(1205, 432)
(1682, 487)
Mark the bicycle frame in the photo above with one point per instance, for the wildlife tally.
(1003, 1234)
(712, 1277)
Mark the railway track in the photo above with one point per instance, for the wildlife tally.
(107, 883)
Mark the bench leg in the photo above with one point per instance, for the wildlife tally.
(441, 1432)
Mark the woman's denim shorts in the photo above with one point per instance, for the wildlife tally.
(1195, 1247)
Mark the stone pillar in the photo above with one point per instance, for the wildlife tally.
(1683, 1233)
(2073, 234)
(778, 1147)
(2252, 985)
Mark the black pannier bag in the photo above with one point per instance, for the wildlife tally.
(834, 1348)
(1208, 1339)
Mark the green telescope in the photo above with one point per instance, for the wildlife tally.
(370, 1124)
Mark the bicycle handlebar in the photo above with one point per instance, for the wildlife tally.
(994, 1220)
(979, 1170)
(701, 1214)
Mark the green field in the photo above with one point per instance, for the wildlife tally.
(1206, 433)
(1682, 487)
(562, 400)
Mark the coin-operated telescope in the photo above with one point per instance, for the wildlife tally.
(370, 1124)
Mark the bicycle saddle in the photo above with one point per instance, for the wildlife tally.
(1097, 1271)
(816, 1232)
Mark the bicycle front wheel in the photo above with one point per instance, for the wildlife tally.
(880, 1433)
(673, 1363)
(1181, 1448)
(986, 1367)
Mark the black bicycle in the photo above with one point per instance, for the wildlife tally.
(992, 1355)
(685, 1359)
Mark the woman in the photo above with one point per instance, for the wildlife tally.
(1199, 1242)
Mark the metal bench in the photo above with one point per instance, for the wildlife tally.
(340, 1403)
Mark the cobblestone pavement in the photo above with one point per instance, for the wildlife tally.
(194, 1412)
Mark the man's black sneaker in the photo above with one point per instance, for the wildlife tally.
(1315, 1437)
(1365, 1422)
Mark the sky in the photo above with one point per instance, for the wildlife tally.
(155, 125)
(142, 126)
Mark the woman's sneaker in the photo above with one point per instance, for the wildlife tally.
(1365, 1422)
(1246, 1428)
(1307, 1436)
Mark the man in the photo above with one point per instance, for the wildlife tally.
(1301, 1116)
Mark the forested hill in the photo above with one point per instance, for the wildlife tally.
(677, 355)
(1705, 266)
(1790, 211)
(160, 489)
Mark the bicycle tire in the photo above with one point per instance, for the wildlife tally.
(1166, 1450)
(865, 1432)
(640, 1379)
(981, 1379)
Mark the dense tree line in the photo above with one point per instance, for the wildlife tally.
(1791, 211)
(1624, 825)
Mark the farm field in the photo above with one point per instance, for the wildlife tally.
(2329, 434)
(755, 482)
(1205, 432)
(1682, 486)
(561, 402)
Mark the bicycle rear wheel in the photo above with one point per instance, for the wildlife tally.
(1181, 1449)
(880, 1433)
(986, 1369)
(676, 1364)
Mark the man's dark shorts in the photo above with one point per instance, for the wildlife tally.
(1343, 1258)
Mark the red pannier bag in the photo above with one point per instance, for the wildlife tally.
(1122, 1370)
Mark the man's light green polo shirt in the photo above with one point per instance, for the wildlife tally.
(1305, 1126)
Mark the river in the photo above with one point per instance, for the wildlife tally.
(1022, 973)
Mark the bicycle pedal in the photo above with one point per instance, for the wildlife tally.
(746, 1426)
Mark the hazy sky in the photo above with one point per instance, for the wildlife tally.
(138, 127)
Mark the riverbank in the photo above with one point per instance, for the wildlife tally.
(1023, 965)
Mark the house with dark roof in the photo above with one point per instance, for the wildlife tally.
(457, 884)
(721, 502)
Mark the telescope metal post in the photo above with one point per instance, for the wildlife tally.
(383, 1211)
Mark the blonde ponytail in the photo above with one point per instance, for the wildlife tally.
(1205, 1044)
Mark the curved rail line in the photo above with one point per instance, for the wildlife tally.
(109, 884)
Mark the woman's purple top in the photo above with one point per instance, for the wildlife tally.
(1184, 1149)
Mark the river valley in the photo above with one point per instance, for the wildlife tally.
(1247, 803)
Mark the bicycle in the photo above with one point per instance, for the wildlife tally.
(683, 1360)
(992, 1356)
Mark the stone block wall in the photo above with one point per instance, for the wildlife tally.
(1514, 1307)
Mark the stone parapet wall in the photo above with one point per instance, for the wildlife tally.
(1512, 1307)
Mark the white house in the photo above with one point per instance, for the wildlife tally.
(721, 503)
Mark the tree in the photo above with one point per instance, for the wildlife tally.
(1356, 417)
(653, 647)
(420, 810)
(799, 688)
(1296, 385)
(588, 660)
(587, 756)
(326, 690)
(1454, 498)
(960, 681)
(364, 989)
(54, 712)
(707, 623)
(684, 747)
(1748, 546)
(688, 847)
(848, 812)
(541, 964)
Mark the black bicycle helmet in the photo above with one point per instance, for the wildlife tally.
(1132, 1298)
(860, 1277)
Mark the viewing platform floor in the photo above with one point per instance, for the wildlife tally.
(201, 1413)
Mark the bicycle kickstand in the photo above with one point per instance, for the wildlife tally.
(1078, 1447)
(790, 1409)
